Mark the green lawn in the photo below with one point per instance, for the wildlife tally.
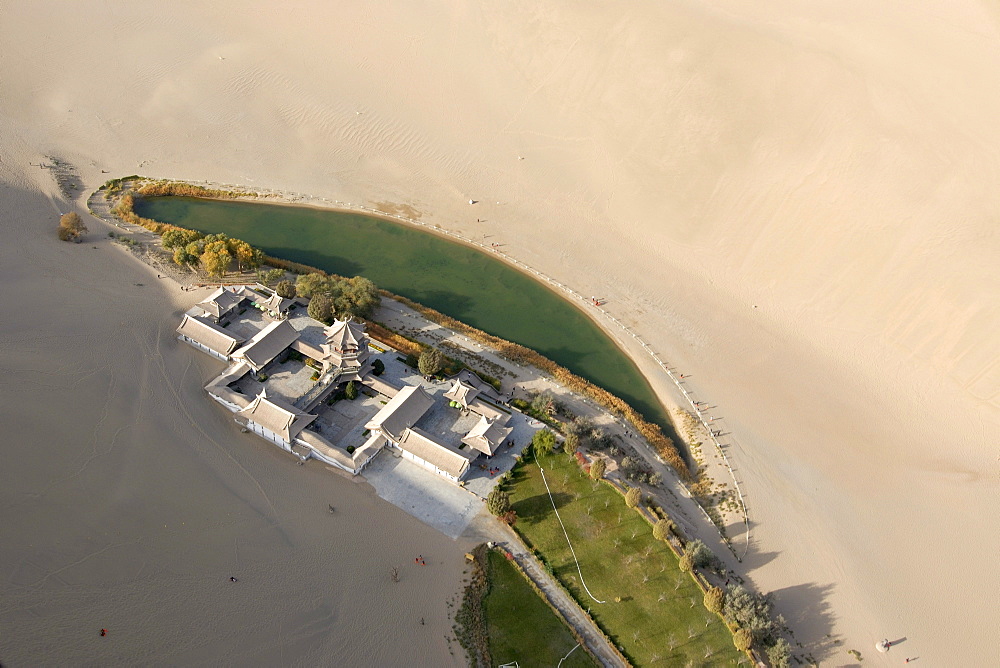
(521, 625)
(652, 610)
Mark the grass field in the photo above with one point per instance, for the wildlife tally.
(522, 627)
(652, 610)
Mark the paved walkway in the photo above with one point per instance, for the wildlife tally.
(592, 636)
(519, 381)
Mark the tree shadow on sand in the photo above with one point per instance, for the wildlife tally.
(807, 611)
(755, 558)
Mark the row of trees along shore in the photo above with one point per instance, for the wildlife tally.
(748, 615)
(342, 288)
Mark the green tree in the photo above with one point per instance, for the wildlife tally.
(543, 442)
(571, 444)
(308, 285)
(178, 237)
(71, 227)
(742, 639)
(351, 391)
(430, 361)
(779, 654)
(321, 308)
(378, 367)
(597, 468)
(358, 297)
(285, 289)
(632, 497)
(714, 599)
(498, 502)
(270, 276)
(189, 255)
(662, 529)
(543, 403)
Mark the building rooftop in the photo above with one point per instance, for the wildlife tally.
(434, 452)
(487, 435)
(267, 344)
(402, 411)
(209, 334)
(277, 416)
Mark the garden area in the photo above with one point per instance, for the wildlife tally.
(521, 626)
(652, 610)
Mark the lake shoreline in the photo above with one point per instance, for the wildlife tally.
(609, 326)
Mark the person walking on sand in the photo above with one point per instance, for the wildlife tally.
(232, 578)
(104, 632)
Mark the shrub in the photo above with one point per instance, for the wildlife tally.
(779, 653)
(597, 469)
(351, 391)
(662, 529)
(750, 611)
(378, 367)
(71, 227)
(632, 497)
(701, 555)
(742, 639)
(498, 502)
(315, 376)
(685, 563)
(350, 449)
(714, 600)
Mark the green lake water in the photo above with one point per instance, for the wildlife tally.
(464, 283)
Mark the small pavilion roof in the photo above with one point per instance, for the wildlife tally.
(277, 303)
(277, 416)
(345, 335)
(267, 344)
(220, 302)
(402, 412)
(487, 435)
(209, 335)
(462, 392)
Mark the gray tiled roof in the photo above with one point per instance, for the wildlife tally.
(487, 435)
(267, 344)
(209, 335)
(420, 444)
(402, 412)
(277, 416)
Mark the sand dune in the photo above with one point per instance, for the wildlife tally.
(795, 203)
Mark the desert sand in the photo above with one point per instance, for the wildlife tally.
(795, 203)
